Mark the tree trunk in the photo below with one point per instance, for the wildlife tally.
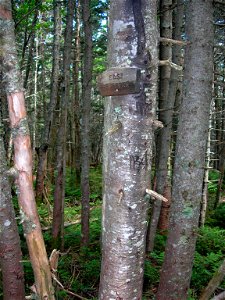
(32, 44)
(213, 283)
(165, 116)
(127, 149)
(173, 87)
(23, 156)
(10, 252)
(42, 150)
(85, 128)
(165, 209)
(59, 193)
(75, 112)
(190, 153)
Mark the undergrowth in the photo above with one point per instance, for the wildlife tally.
(79, 269)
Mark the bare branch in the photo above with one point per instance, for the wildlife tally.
(156, 195)
(171, 41)
(167, 62)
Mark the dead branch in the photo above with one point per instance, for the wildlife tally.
(171, 41)
(156, 196)
(169, 63)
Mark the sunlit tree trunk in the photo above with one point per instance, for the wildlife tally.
(23, 155)
(128, 135)
(190, 153)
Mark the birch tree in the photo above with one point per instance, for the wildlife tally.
(131, 84)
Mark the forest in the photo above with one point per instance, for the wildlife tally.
(112, 149)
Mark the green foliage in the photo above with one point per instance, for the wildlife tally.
(214, 176)
(73, 194)
(210, 240)
(79, 269)
(210, 250)
(151, 274)
(204, 268)
(217, 217)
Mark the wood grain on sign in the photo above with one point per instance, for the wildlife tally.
(119, 81)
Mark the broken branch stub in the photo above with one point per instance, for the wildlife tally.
(119, 81)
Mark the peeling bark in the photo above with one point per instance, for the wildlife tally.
(10, 252)
(23, 155)
(127, 151)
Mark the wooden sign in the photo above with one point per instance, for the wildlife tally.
(119, 81)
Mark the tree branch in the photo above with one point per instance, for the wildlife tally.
(171, 41)
(169, 63)
(156, 195)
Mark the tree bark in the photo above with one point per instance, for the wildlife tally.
(85, 128)
(190, 153)
(10, 251)
(59, 193)
(75, 111)
(165, 116)
(32, 44)
(23, 155)
(42, 150)
(127, 151)
(173, 87)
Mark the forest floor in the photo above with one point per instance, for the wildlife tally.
(79, 269)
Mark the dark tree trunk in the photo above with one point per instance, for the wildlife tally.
(10, 252)
(32, 44)
(169, 108)
(23, 155)
(165, 116)
(42, 150)
(59, 193)
(190, 153)
(85, 128)
(75, 114)
(127, 150)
